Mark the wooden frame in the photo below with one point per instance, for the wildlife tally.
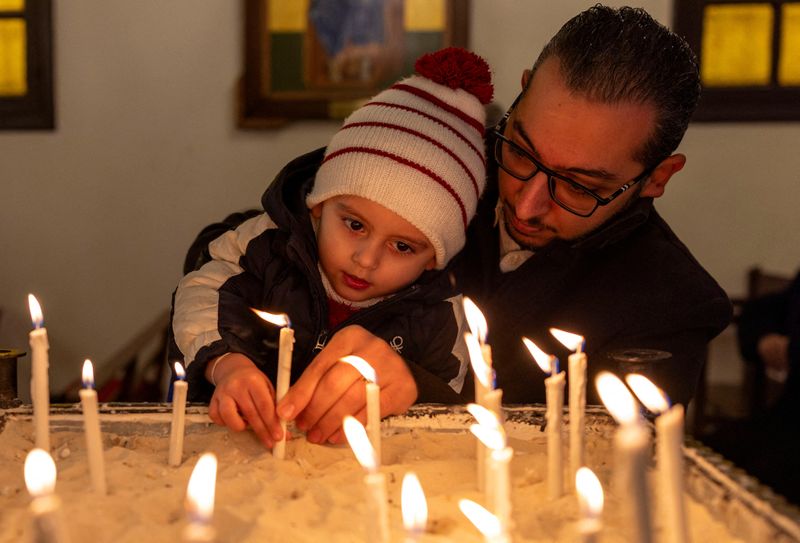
(771, 102)
(261, 105)
(35, 110)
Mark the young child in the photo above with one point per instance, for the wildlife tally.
(357, 236)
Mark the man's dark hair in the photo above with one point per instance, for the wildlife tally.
(624, 55)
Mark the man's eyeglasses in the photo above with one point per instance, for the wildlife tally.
(567, 193)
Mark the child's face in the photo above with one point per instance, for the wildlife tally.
(367, 251)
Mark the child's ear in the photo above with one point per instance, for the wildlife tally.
(316, 211)
(431, 264)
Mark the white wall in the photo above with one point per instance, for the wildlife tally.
(95, 218)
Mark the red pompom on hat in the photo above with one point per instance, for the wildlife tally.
(417, 149)
(458, 68)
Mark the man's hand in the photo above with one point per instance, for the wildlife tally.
(244, 395)
(774, 352)
(328, 389)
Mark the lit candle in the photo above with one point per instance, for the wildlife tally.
(179, 390)
(487, 418)
(498, 469)
(590, 502)
(285, 348)
(40, 479)
(478, 327)
(377, 521)
(631, 448)
(577, 396)
(200, 501)
(414, 507)
(373, 400)
(554, 390)
(40, 379)
(669, 455)
(486, 523)
(91, 425)
(483, 395)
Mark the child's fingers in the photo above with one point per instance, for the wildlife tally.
(335, 383)
(352, 400)
(338, 437)
(229, 414)
(268, 419)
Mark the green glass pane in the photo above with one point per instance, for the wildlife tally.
(286, 62)
(13, 68)
(419, 43)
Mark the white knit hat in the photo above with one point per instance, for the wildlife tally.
(417, 149)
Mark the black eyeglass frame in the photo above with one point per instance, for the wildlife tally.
(500, 138)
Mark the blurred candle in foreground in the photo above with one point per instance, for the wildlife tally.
(377, 521)
(91, 425)
(576, 373)
(590, 502)
(373, 391)
(486, 523)
(631, 448)
(40, 378)
(414, 507)
(285, 349)
(484, 397)
(200, 494)
(669, 455)
(40, 479)
(554, 390)
(180, 389)
(498, 472)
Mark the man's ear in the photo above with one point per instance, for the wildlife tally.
(654, 186)
(526, 77)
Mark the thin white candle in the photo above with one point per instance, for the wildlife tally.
(373, 393)
(40, 378)
(377, 521)
(40, 479)
(180, 389)
(488, 421)
(576, 371)
(483, 386)
(631, 451)
(285, 349)
(486, 523)
(478, 327)
(669, 455)
(498, 470)
(554, 391)
(91, 425)
(590, 502)
(414, 507)
(200, 494)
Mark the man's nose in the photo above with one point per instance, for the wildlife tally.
(533, 199)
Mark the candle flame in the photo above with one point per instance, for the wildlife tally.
(180, 373)
(278, 319)
(649, 394)
(485, 417)
(475, 320)
(36, 311)
(590, 492)
(573, 342)
(87, 374)
(201, 489)
(493, 437)
(357, 438)
(479, 365)
(548, 363)
(616, 397)
(413, 504)
(40, 473)
(486, 523)
(363, 367)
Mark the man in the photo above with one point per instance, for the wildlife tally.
(566, 234)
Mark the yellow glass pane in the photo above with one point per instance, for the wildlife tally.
(789, 59)
(424, 15)
(287, 15)
(12, 5)
(737, 44)
(13, 76)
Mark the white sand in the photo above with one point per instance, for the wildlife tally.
(315, 495)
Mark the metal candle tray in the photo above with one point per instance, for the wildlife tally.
(750, 510)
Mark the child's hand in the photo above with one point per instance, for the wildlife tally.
(328, 389)
(244, 395)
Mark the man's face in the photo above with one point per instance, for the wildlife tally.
(367, 251)
(590, 142)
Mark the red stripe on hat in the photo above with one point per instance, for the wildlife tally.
(426, 138)
(437, 120)
(419, 167)
(435, 100)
